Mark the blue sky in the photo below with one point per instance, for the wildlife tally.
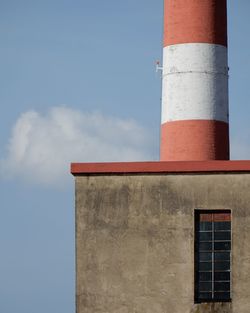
(67, 68)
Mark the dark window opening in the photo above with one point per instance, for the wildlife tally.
(212, 256)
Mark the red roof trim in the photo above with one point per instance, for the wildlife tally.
(160, 167)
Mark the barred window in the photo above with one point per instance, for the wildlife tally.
(212, 256)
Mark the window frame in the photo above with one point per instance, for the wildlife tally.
(197, 252)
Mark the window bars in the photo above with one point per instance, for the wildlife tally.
(212, 256)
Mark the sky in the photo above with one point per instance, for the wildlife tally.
(68, 68)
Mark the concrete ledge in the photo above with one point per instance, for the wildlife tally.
(160, 167)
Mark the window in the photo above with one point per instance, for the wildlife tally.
(212, 256)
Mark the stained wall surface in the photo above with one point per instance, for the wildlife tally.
(135, 241)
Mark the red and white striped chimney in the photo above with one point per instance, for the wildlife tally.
(195, 81)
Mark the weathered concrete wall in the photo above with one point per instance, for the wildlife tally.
(135, 241)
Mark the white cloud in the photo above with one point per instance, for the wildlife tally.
(41, 147)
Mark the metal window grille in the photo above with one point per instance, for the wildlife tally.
(212, 256)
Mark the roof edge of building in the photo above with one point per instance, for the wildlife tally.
(156, 167)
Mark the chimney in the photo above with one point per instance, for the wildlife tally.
(195, 81)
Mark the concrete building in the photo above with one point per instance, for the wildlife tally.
(172, 236)
(135, 235)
